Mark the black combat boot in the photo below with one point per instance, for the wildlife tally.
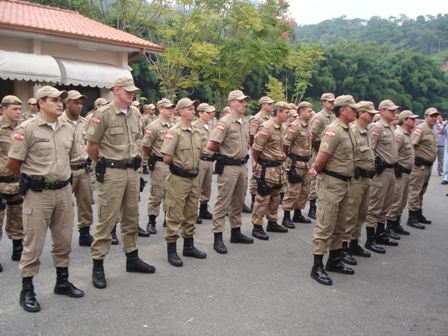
(151, 228)
(113, 233)
(371, 243)
(287, 222)
(274, 227)
(203, 211)
(382, 237)
(313, 209)
(218, 245)
(173, 258)
(246, 209)
(236, 237)
(399, 229)
(346, 256)
(259, 233)
(28, 297)
(413, 221)
(422, 219)
(318, 272)
(252, 202)
(357, 250)
(334, 263)
(85, 239)
(199, 220)
(136, 265)
(299, 218)
(17, 249)
(142, 233)
(191, 251)
(390, 229)
(145, 170)
(65, 287)
(98, 277)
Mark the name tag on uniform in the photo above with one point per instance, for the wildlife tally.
(41, 140)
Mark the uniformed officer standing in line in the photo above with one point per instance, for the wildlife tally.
(205, 128)
(297, 147)
(406, 157)
(11, 200)
(230, 139)
(318, 124)
(111, 142)
(32, 109)
(151, 144)
(293, 115)
(226, 111)
(40, 153)
(382, 186)
(181, 150)
(359, 184)
(80, 169)
(213, 121)
(334, 167)
(424, 139)
(267, 164)
(149, 115)
(175, 117)
(255, 122)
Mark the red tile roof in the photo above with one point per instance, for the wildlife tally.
(35, 18)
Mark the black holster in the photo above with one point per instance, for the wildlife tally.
(398, 170)
(380, 165)
(316, 145)
(24, 184)
(87, 165)
(220, 163)
(100, 169)
(293, 177)
(137, 162)
(152, 162)
(262, 188)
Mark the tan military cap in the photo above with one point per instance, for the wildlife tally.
(293, 106)
(282, 104)
(135, 103)
(73, 94)
(265, 100)
(407, 114)
(226, 109)
(293, 113)
(126, 83)
(49, 91)
(327, 96)
(367, 106)
(430, 111)
(186, 102)
(237, 95)
(101, 101)
(203, 107)
(211, 108)
(304, 104)
(165, 103)
(32, 101)
(10, 99)
(150, 106)
(387, 105)
(376, 117)
(346, 100)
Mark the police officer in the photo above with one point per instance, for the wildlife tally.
(293, 115)
(149, 115)
(226, 111)
(10, 198)
(41, 150)
(230, 139)
(334, 167)
(322, 119)
(359, 184)
(297, 147)
(267, 164)
(80, 167)
(111, 137)
(204, 125)
(152, 144)
(137, 105)
(382, 186)
(424, 139)
(181, 150)
(100, 102)
(403, 169)
(213, 121)
(32, 109)
(175, 117)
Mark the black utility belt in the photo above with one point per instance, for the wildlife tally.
(298, 158)
(120, 165)
(388, 165)
(157, 158)
(182, 172)
(336, 175)
(232, 162)
(37, 187)
(78, 166)
(361, 172)
(419, 161)
(268, 163)
(207, 158)
(9, 179)
(407, 171)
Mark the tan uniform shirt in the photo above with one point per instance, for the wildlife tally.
(383, 141)
(148, 119)
(175, 119)
(338, 141)
(115, 132)
(363, 149)
(256, 121)
(6, 130)
(205, 135)
(424, 140)
(269, 141)
(154, 136)
(184, 145)
(80, 128)
(321, 121)
(212, 123)
(43, 151)
(406, 155)
(232, 137)
(298, 139)
(28, 115)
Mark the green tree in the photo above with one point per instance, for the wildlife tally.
(275, 89)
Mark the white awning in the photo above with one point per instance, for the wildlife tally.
(89, 74)
(29, 67)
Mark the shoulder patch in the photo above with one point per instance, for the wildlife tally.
(169, 135)
(148, 131)
(96, 120)
(330, 133)
(220, 127)
(417, 131)
(375, 133)
(263, 132)
(254, 124)
(399, 139)
(291, 130)
(19, 136)
(316, 120)
(324, 145)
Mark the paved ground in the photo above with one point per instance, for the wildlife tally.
(259, 289)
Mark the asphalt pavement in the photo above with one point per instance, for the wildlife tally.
(259, 289)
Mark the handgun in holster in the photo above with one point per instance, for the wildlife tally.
(220, 163)
(418, 161)
(137, 162)
(87, 165)
(398, 170)
(262, 188)
(293, 177)
(152, 162)
(316, 145)
(380, 165)
(24, 184)
(100, 169)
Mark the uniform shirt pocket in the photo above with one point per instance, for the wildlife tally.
(44, 149)
(117, 133)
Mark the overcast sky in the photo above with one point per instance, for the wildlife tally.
(315, 11)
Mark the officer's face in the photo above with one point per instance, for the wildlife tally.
(12, 112)
(284, 115)
(366, 116)
(268, 107)
(206, 116)
(328, 105)
(151, 111)
(431, 120)
(351, 113)
(388, 115)
(51, 106)
(166, 112)
(410, 122)
(306, 114)
(124, 96)
(74, 106)
(32, 107)
(238, 106)
(188, 112)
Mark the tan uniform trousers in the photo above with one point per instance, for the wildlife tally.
(92, 175)
(145, 159)
(417, 188)
(81, 187)
(252, 186)
(232, 184)
(297, 193)
(205, 180)
(312, 190)
(157, 190)
(400, 197)
(181, 201)
(382, 188)
(358, 204)
(332, 211)
(14, 223)
(266, 206)
(51, 209)
(118, 197)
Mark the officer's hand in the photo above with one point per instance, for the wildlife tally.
(254, 164)
(313, 172)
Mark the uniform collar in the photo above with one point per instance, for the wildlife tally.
(384, 123)
(163, 123)
(5, 124)
(359, 128)
(302, 122)
(403, 130)
(41, 121)
(343, 124)
(67, 119)
(184, 128)
(117, 108)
